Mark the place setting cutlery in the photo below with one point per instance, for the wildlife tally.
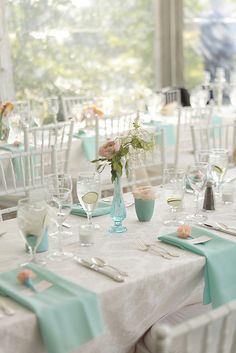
(154, 249)
(6, 310)
(221, 227)
(114, 275)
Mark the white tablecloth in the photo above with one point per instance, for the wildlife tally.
(154, 288)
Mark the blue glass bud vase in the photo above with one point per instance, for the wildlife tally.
(118, 211)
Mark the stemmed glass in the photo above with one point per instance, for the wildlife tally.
(197, 177)
(88, 191)
(174, 188)
(31, 218)
(53, 107)
(60, 205)
(218, 159)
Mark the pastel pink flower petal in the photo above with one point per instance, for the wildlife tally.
(184, 231)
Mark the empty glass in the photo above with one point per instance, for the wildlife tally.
(60, 205)
(197, 177)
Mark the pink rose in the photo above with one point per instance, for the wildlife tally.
(109, 149)
(144, 193)
(184, 231)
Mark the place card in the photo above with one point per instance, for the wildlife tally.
(40, 287)
(200, 240)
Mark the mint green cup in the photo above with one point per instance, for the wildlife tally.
(144, 209)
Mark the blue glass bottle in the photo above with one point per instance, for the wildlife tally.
(118, 210)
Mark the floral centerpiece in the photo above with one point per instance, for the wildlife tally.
(5, 110)
(117, 154)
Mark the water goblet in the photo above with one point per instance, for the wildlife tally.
(197, 177)
(174, 188)
(218, 159)
(31, 218)
(53, 107)
(60, 205)
(88, 191)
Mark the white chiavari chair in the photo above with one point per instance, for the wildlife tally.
(213, 136)
(108, 128)
(211, 332)
(18, 182)
(188, 116)
(145, 168)
(21, 107)
(58, 135)
(72, 107)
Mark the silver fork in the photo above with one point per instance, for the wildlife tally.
(144, 247)
(169, 252)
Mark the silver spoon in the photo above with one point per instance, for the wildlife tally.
(101, 263)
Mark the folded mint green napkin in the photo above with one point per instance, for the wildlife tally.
(102, 209)
(16, 161)
(68, 315)
(88, 144)
(219, 271)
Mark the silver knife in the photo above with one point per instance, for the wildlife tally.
(98, 269)
(209, 226)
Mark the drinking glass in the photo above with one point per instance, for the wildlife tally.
(174, 188)
(218, 159)
(197, 177)
(31, 218)
(60, 205)
(53, 107)
(88, 191)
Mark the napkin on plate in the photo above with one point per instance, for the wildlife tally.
(102, 209)
(219, 272)
(68, 315)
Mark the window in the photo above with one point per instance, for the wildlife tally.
(81, 46)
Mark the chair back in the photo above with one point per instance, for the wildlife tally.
(146, 168)
(72, 107)
(58, 135)
(172, 95)
(212, 332)
(24, 171)
(108, 128)
(188, 116)
(213, 136)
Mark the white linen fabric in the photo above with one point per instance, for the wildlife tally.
(154, 288)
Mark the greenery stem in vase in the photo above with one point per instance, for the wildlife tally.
(117, 154)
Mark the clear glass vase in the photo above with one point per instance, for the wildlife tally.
(118, 210)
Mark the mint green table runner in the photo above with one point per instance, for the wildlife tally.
(102, 209)
(16, 161)
(220, 268)
(68, 315)
(88, 144)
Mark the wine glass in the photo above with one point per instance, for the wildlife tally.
(53, 107)
(174, 188)
(31, 218)
(60, 205)
(88, 191)
(59, 180)
(197, 177)
(218, 159)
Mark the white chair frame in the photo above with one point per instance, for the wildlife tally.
(29, 178)
(188, 116)
(59, 135)
(213, 136)
(188, 332)
(68, 102)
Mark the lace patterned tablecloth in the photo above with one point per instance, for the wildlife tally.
(155, 286)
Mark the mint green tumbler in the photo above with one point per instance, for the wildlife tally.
(144, 209)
